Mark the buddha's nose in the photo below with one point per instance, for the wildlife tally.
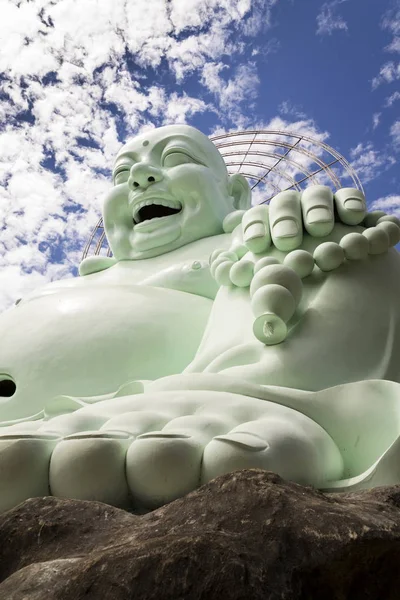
(143, 175)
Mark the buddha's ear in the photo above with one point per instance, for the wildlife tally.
(240, 191)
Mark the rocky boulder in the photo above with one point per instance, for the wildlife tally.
(244, 536)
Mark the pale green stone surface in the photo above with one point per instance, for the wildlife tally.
(203, 346)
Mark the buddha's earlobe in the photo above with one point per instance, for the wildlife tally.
(240, 190)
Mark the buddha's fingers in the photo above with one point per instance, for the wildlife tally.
(285, 221)
(317, 209)
(350, 205)
(256, 229)
(24, 467)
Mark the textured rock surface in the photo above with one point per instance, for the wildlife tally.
(249, 535)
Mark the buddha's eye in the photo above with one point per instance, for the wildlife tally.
(174, 159)
(121, 175)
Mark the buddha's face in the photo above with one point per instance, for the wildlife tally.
(171, 187)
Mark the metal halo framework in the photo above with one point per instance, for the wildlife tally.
(272, 161)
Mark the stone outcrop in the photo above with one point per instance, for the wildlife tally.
(245, 536)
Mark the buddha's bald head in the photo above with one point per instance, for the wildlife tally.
(171, 187)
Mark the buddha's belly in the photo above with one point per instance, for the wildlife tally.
(84, 342)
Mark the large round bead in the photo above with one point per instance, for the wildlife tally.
(328, 256)
(241, 273)
(392, 230)
(378, 240)
(301, 261)
(274, 299)
(355, 246)
(281, 275)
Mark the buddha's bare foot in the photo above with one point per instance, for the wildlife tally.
(149, 449)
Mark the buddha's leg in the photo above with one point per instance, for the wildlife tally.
(149, 449)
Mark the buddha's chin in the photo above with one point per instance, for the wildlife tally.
(157, 241)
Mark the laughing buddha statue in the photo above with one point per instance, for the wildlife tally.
(218, 337)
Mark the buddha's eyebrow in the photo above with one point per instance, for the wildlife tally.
(126, 159)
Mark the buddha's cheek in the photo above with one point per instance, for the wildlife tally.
(88, 342)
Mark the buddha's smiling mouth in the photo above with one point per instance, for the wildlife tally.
(148, 210)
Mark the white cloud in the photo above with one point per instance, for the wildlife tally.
(376, 117)
(369, 162)
(76, 84)
(287, 108)
(388, 73)
(390, 100)
(231, 92)
(391, 22)
(328, 20)
(394, 45)
(389, 204)
(395, 132)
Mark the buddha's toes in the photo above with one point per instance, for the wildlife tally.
(144, 451)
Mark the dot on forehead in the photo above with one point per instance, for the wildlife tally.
(146, 143)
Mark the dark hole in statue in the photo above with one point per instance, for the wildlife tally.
(7, 388)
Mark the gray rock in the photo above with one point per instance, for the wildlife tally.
(245, 536)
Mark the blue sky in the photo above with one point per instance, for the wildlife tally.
(78, 77)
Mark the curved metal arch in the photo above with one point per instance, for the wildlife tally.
(262, 177)
(290, 148)
(100, 242)
(340, 158)
(290, 161)
(90, 241)
(334, 153)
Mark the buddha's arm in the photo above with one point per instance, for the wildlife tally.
(94, 264)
